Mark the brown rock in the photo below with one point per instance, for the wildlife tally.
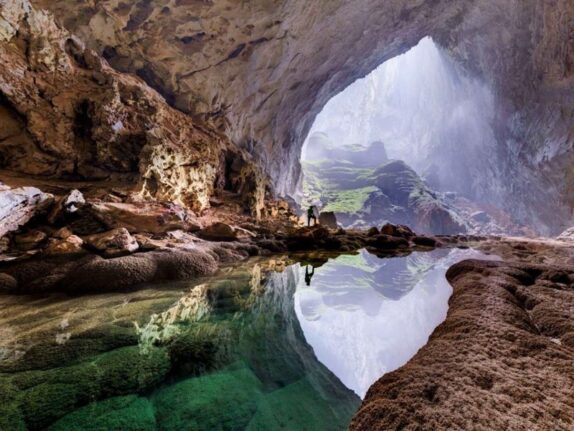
(72, 244)
(397, 230)
(328, 219)
(425, 241)
(128, 271)
(30, 240)
(373, 231)
(506, 341)
(218, 232)
(116, 242)
(66, 205)
(387, 242)
(7, 283)
(148, 217)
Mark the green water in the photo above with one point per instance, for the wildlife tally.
(226, 353)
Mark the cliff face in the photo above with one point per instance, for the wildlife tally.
(259, 72)
(65, 113)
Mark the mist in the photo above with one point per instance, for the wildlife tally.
(426, 111)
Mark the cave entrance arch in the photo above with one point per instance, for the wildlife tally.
(411, 142)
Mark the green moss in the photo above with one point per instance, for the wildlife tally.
(129, 413)
(226, 400)
(300, 407)
(10, 415)
(348, 201)
(128, 370)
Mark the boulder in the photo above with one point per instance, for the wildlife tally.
(397, 230)
(218, 232)
(68, 204)
(7, 282)
(116, 242)
(151, 217)
(19, 205)
(72, 244)
(328, 219)
(30, 240)
(425, 241)
(374, 231)
(387, 242)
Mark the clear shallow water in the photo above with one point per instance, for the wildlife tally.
(365, 316)
(254, 348)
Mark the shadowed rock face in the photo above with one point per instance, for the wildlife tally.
(262, 70)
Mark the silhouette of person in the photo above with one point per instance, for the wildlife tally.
(309, 275)
(311, 215)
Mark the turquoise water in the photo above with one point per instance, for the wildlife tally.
(258, 347)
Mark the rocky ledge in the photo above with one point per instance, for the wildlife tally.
(501, 360)
(100, 241)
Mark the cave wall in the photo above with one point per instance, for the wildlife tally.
(259, 72)
(66, 113)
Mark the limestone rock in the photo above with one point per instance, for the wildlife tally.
(143, 217)
(30, 240)
(19, 205)
(397, 230)
(116, 242)
(218, 232)
(567, 235)
(328, 219)
(72, 244)
(295, 60)
(424, 241)
(68, 204)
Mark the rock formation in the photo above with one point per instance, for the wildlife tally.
(364, 190)
(67, 114)
(501, 360)
(262, 71)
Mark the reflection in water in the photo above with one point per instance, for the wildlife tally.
(309, 274)
(366, 316)
(258, 347)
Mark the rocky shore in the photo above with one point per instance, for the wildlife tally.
(503, 357)
(103, 241)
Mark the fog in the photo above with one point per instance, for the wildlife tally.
(426, 111)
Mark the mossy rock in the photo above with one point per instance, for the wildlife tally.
(79, 347)
(11, 417)
(300, 407)
(129, 413)
(203, 347)
(221, 401)
(46, 395)
(129, 370)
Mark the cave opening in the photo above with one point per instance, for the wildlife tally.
(412, 143)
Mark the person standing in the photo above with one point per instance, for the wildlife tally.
(311, 215)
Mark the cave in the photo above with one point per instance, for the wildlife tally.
(422, 109)
(209, 208)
